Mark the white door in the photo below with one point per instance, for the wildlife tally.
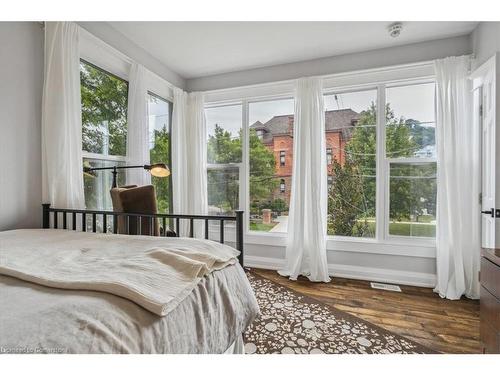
(486, 95)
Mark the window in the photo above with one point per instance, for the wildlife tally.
(282, 158)
(329, 156)
(411, 160)
(268, 198)
(104, 130)
(351, 129)
(330, 181)
(159, 120)
(380, 156)
(224, 158)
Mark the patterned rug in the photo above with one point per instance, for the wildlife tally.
(292, 323)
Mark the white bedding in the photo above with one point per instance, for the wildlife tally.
(36, 318)
(153, 272)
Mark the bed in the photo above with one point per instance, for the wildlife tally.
(42, 317)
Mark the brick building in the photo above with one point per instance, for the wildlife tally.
(277, 135)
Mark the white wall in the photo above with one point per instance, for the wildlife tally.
(485, 41)
(402, 264)
(21, 80)
(406, 54)
(114, 38)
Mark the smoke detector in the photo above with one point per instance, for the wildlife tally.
(395, 29)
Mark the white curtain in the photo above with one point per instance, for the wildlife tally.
(138, 127)
(306, 248)
(458, 228)
(189, 158)
(62, 167)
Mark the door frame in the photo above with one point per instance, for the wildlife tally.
(478, 78)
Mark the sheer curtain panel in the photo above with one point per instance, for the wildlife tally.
(458, 230)
(138, 127)
(189, 158)
(62, 173)
(306, 248)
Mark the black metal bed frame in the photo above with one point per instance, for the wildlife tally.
(94, 214)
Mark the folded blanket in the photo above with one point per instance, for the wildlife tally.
(156, 273)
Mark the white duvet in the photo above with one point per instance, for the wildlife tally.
(155, 273)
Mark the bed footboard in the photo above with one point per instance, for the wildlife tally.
(98, 221)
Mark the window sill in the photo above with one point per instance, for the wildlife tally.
(422, 248)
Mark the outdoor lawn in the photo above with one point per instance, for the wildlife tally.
(261, 226)
(423, 228)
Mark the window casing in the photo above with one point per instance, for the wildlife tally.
(282, 186)
(160, 129)
(115, 65)
(104, 131)
(329, 156)
(224, 158)
(378, 80)
(282, 158)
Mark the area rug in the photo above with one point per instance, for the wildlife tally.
(292, 323)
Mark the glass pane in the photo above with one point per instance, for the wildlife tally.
(271, 164)
(224, 134)
(97, 184)
(410, 119)
(412, 200)
(159, 147)
(223, 190)
(350, 124)
(224, 148)
(104, 111)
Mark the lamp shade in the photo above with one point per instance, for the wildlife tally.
(158, 170)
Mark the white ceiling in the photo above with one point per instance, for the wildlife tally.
(196, 49)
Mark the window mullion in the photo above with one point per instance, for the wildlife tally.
(244, 191)
(381, 165)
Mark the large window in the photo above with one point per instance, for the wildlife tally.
(411, 160)
(270, 157)
(104, 130)
(224, 149)
(380, 156)
(159, 118)
(351, 142)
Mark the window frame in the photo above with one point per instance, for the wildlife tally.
(169, 156)
(282, 158)
(101, 55)
(239, 166)
(97, 156)
(402, 160)
(378, 79)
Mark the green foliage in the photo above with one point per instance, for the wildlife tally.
(160, 153)
(279, 205)
(346, 201)
(352, 196)
(223, 184)
(262, 169)
(104, 111)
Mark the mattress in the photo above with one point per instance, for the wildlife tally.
(39, 319)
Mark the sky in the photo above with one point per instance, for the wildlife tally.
(158, 111)
(416, 102)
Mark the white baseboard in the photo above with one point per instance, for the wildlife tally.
(355, 272)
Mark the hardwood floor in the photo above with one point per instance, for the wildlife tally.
(417, 313)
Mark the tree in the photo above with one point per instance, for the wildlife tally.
(262, 169)
(349, 205)
(223, 184)
(279, 205)
(346, 201)
(160, 154)
(104, 111)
